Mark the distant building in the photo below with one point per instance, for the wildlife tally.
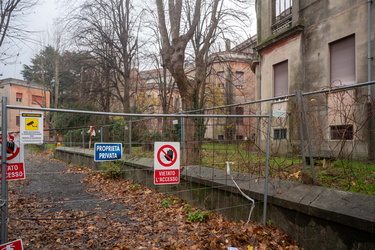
(23, 93)
(230, 80)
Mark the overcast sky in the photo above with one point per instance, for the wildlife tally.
(41, 19)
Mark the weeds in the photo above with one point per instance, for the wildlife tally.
(112, 170)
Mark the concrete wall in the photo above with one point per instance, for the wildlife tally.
(306, 45)
(317, 217)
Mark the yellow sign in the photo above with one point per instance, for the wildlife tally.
(31, 123)
(31, 128)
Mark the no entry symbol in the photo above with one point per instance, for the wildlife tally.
(12, 149)
(167, 155)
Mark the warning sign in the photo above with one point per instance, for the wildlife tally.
(167, 163)
(15, 158)
(14, 245)
(31, 128)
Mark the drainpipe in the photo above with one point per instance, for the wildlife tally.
(369, 57)
(369, 90)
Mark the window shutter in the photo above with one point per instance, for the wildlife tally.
(342, 61)
(280, 71)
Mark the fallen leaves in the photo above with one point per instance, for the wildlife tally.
(137, 219)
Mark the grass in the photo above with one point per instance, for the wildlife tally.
(351, 176)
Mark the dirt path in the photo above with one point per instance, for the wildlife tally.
(61, 206)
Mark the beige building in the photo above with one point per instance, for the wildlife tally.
(231, 81)
(23, 93)
(313, 45)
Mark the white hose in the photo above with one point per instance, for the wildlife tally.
(245, 195)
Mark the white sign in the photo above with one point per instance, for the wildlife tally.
(31, 128)
(166, 163)
(14, 158)
(279, 113)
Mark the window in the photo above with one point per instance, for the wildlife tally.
(342, 61)
(279, 134)
(18, 120)
(239, 80)
(239, 111)
(18, 97)
(342, 132)
(220, 137)
(280, 74)
(37, 100)
(239, 137)
(283, 8)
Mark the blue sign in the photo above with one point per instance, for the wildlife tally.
(107, 151)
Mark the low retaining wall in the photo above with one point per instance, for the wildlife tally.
(317, 217)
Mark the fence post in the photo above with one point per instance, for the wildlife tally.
(183, 146)
(268, 146)
(300, 130)
(309, 148)
(101, 134)
(304, 127)
(83, 138)
(130, 137)
(4, 183)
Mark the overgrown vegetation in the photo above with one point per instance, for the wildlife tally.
(351, 176)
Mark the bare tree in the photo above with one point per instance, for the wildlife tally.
(110, 31)
(10, 30)
(195, 23)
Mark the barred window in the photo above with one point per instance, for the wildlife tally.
(283, 8)
(279, 134)
(342, 132)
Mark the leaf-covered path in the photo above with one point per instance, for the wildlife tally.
(62, 206)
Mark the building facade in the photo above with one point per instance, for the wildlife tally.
(230, 81)
(310, 45)
(23, 93)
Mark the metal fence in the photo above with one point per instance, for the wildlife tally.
(298, 137)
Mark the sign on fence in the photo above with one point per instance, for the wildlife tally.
(107, 151)
(14, 245)
(166, 163)
(31, 128)
(15, 158)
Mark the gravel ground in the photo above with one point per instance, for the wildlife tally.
(58, 183)
(55, 182)
(62, 206)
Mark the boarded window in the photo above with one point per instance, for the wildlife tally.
(37, 100)
(342, 61)
(239, 80)
(342, 132)
(280, 71)
(239, 111)
(18, 97)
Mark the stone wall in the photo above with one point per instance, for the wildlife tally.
(317, 217)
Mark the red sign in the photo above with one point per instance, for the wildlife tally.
(15, 171)
(167, 155)
(14, 245)
(167, 163)
(166, 176)
(15, 159)
(12, 149)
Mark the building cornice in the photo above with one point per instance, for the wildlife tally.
(270, 41)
